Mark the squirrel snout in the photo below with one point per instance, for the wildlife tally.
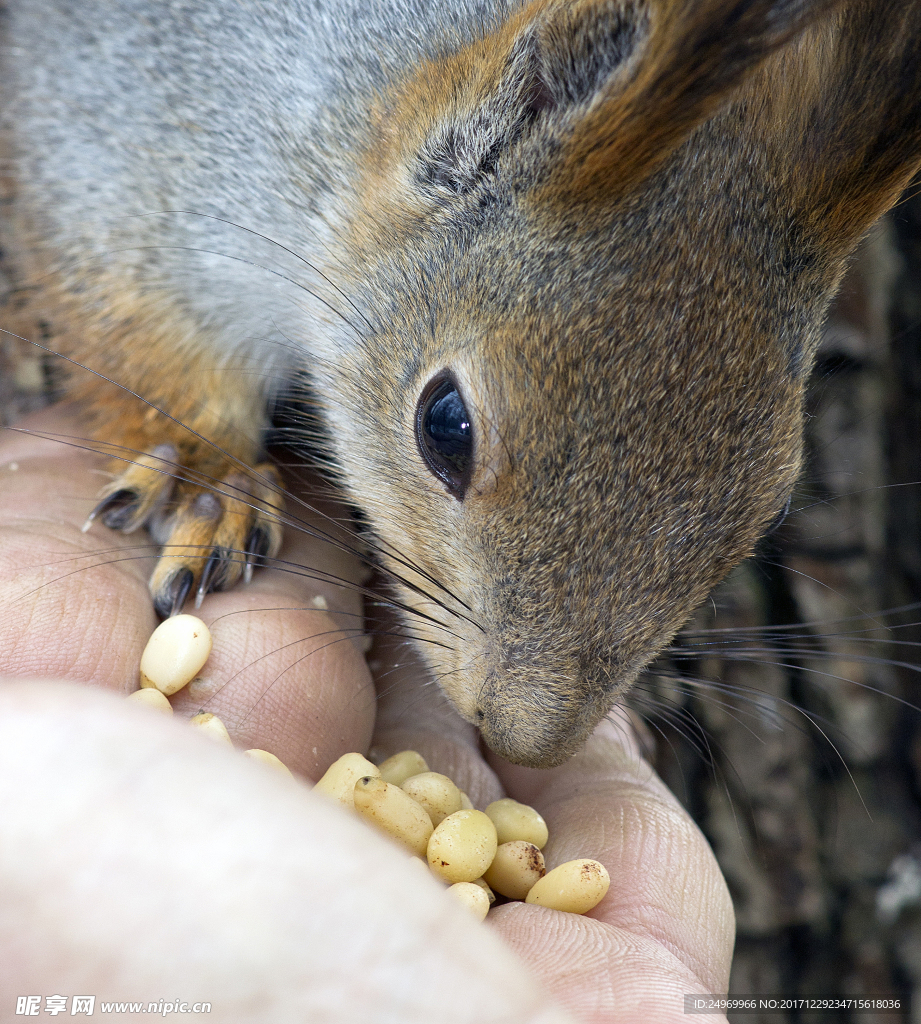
(538, 719)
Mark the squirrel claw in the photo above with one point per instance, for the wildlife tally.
(139, 493)
(211, 536)
(214, 574)
(170, 598)
(117, 510)
(258, 545)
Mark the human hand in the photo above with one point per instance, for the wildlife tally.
(144, 863)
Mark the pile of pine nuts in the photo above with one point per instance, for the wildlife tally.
(476, 853)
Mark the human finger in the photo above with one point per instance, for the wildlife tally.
(284, 671)
(164, 866)
(666, 926)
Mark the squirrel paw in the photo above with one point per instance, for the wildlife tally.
(212, 534)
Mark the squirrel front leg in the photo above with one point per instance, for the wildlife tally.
(183, 422)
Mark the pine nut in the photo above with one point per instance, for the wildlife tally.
(400, 767)
(341, 776)
(212, 727)
(435, 792)
(482, 884)
(515, 821)
(576, 887)
(392, 810)
(472, 897)
(462, 846)
(175, 653)
(151, 698)
(516, 868)
(269, 760)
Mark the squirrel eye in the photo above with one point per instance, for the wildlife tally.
(444, 434)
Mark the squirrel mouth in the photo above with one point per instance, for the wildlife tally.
(539, 724)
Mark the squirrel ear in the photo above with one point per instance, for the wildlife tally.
(464, 146)
(676, 65)
(532, 66)
(842, 112)
(549, 57)
(577, 47)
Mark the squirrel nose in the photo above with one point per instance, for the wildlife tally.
(541, 728)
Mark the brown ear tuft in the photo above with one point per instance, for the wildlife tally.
(844, 113)
(694, 57)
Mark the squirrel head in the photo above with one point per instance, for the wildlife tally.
(594, 248)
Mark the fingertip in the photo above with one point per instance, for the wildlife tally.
(283, 678)
(607, 803)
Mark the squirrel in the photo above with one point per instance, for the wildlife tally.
(552, 274)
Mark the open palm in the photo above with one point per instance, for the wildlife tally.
(142, 862)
